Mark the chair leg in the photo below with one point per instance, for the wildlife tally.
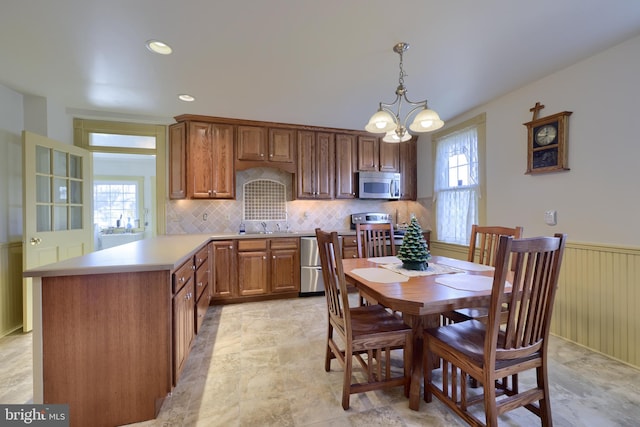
(490, 406)
(427, 365)
(545, 403)
(328, 355)
(346, 381)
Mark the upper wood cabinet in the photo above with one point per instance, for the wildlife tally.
(408, 169)
(210, 171)
(368, 153)
(389, 157)
(376, 155)
(346, 166)
(262, 146)
(177, 161)
(316, 165)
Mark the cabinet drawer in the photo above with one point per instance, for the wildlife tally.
(285, 243)
(202, 279)
(202, 256)
(252, 245)
(182, 275)
(350, 252)
(349, 241)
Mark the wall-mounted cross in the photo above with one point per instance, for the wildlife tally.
(535, 109)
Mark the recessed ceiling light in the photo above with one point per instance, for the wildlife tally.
(186, 98)
(159, 47)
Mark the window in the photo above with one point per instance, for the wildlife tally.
(117, 202)
(457, 181)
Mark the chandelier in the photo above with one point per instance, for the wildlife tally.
(386, 121)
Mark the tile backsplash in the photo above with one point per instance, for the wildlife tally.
(225, 216)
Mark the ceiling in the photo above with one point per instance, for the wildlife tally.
(325, 63)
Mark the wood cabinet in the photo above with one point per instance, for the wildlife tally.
(349, 246)
(316, 165)
(376, 155)
(389, 157)
(177, 161)
(261, 146)
(346, 166)
(224, 269)
(183, 316)
(209, 161)
(368, 153)
(202, 285)
(408, 170)
(253, 267)
(250, 269)
(285, 265)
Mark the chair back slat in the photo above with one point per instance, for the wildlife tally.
(334, 280)
(375, 240)
(534, 277)
(483, 242)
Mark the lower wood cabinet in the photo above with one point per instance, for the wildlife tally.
(183, 316)
(246, 269)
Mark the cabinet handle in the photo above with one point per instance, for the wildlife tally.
(264, 257)
(261, 154)
(193, 267)
(230, 246)
(209, 192)
(181, 280)
(200, 284)
(274, 257)
(270, 155)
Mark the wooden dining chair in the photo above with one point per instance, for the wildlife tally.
(483, 249)
(375, 240)
(367, 333)
(493, 353)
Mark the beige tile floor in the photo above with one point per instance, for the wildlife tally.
(261, 364)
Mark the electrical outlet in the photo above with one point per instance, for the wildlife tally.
(551, 217)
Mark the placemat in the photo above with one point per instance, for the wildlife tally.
(469, 282)
(465, 265)
(432, 269)
(379, 275)
(385, 260)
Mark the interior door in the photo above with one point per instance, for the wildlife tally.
(56, 206)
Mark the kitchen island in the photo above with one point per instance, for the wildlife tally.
(113, 328)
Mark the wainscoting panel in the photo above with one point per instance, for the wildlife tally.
(598, 299)
(10, 287)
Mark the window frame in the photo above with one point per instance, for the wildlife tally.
(83, 127)
(120, 179)
(479, 123)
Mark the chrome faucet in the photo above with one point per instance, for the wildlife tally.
(264, 226)
(278, 227)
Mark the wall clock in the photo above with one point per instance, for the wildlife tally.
(547, 142)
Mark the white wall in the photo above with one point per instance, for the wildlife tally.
(598, 199)
(11, 125)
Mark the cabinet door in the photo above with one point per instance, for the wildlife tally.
(224, 271)
(252, 143)
(346, 165)
(408, 170)
(183, 327)
(200, 164)
(177, 161)
(253, 273)
(282, 145)
(223, 166)
(368, 153)
(389, 157)
(325, 165)
(306, 165)
(285, 270)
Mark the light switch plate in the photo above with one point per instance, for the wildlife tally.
(551, 217)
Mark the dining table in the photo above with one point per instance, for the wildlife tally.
(421, 296)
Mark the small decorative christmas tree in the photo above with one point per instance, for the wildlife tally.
(414, 252)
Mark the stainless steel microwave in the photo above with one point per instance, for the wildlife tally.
(379, 185)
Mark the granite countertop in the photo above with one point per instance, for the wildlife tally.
(166, 252)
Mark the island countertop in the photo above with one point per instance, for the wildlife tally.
(165, 252)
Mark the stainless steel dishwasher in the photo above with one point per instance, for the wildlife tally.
(311, 281)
